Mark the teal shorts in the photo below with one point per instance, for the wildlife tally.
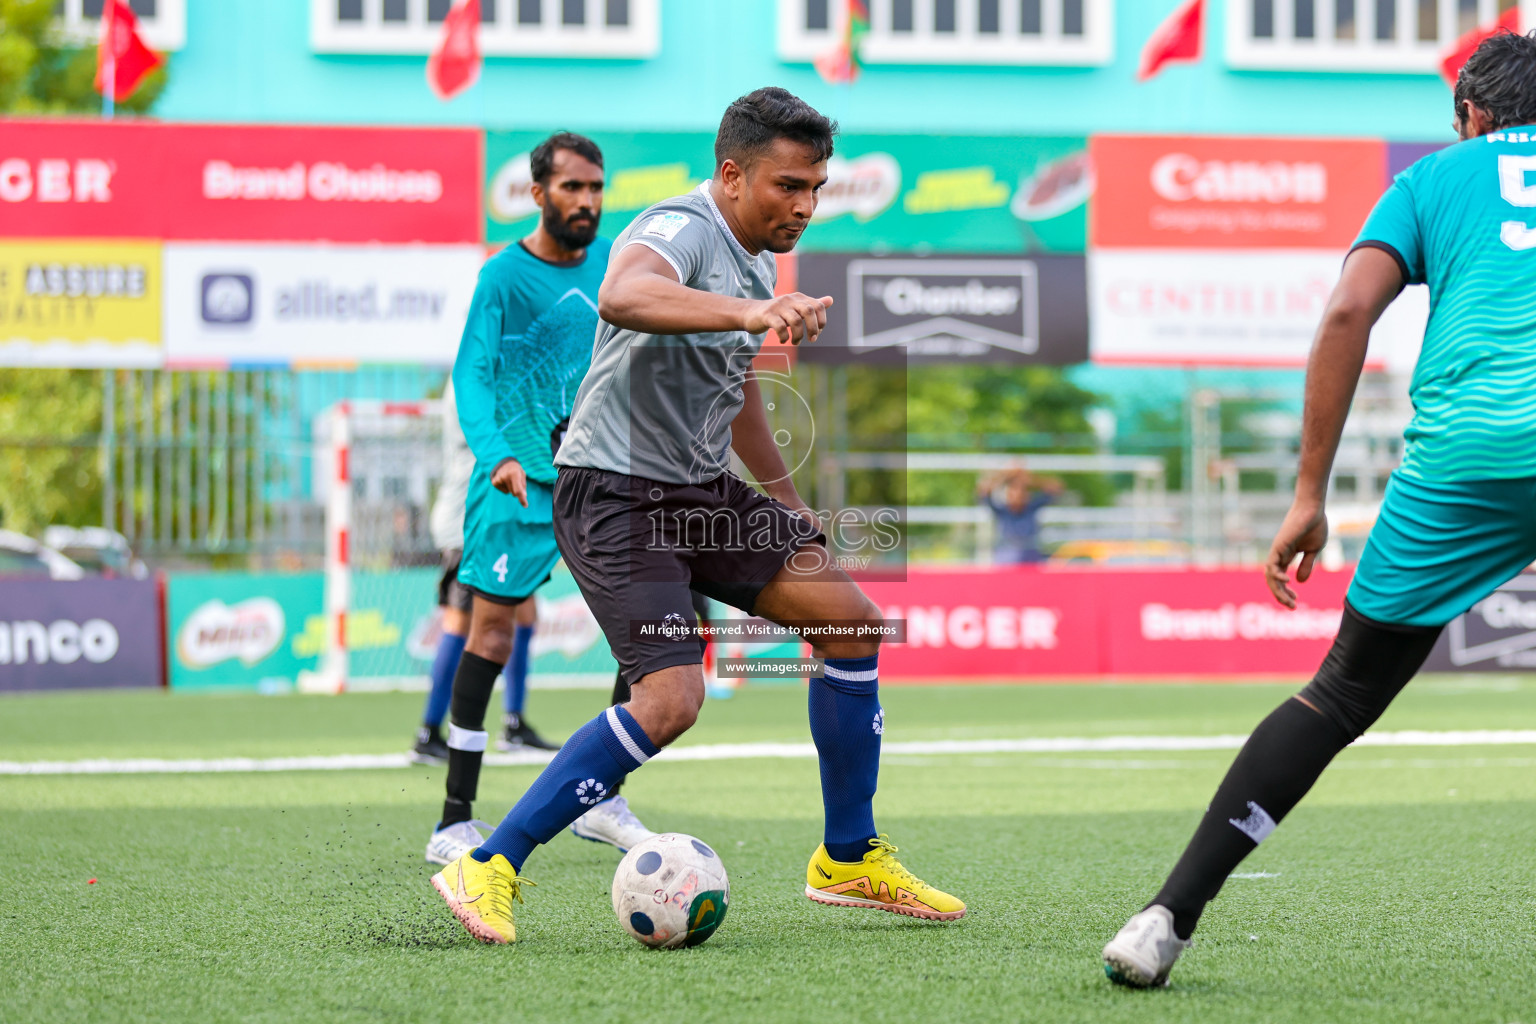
(509, 551)
(1440, 547)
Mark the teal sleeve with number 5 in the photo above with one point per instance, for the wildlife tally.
(1463, 222)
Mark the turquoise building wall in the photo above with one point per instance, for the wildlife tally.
(251, 61)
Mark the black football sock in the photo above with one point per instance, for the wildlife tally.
(472, 686)
(1273, 771)
(620, 696)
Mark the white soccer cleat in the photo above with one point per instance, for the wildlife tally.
(612, 822)
(449, 844)
(1141, 954)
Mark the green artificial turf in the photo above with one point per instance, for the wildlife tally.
(1402, 890)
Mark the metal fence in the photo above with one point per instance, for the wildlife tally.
(198, 463)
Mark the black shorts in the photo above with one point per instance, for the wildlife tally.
(450, 592)
(640, 549)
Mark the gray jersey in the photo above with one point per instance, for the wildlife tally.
(660, 406)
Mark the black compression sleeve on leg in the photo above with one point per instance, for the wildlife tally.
(472, 688)
(1368, 665)
(1273, 771)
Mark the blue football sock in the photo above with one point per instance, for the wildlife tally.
(517, 670)
(449, 649)
(846, 723)
(590, 764)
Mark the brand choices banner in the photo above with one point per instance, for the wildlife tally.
(291, 304)
(900, 192)
(79, 634)
(89, 179)
(1024, 621)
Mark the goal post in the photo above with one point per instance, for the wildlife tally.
(378, 464)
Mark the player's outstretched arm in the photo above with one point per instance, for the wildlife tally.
(1371, 280)
(641, 292)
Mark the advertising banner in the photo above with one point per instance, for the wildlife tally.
(79, 634)
(940, 308)
(292, 304)
(1497, 635)
(93, 179)
(244, 630)
(903, 193)
(259, 631)
(1030, 622)
(79, 303)
(1220, 192)
(1224, 250)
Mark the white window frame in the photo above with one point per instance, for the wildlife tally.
(165, 32)
(1365, 53)
(503, 38)
(966, 45)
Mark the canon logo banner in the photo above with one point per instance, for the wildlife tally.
(1179, 177)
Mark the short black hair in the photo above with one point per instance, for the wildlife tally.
(752, 123)
(1500, 80)
(542, 160)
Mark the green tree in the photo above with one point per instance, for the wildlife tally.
(41, 72)
(49, 472)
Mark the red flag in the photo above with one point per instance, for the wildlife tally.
(1450, 66)
(121, 55)
(455, 65)
(1177, 39)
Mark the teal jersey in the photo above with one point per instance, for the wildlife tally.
(526, 346)
(1463, 222)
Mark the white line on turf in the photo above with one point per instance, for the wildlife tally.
(740, 751)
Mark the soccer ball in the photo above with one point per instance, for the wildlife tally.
(671, 891)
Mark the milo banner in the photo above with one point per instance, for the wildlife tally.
(78, 634)
(260, 630)
(903, 193)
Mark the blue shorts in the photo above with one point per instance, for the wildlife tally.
(1440, 547)
(509, 551)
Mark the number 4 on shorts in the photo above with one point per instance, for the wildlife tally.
(500, 568)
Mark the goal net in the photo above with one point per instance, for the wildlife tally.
(378, 466)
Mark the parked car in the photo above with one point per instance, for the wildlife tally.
(20, 555)
(96, 549)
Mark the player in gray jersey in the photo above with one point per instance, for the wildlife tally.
(647, 512)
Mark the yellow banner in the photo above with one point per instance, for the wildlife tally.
(78, 303)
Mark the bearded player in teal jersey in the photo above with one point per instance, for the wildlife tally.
(1460, 512)
(526, 347)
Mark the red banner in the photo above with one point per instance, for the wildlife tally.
(75, 179)
(1029, 622)
(1232, 193)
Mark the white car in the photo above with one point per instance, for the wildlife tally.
(20, 555)
(97, 550)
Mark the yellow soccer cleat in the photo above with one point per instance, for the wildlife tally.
(481, 895)
(878, 882)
